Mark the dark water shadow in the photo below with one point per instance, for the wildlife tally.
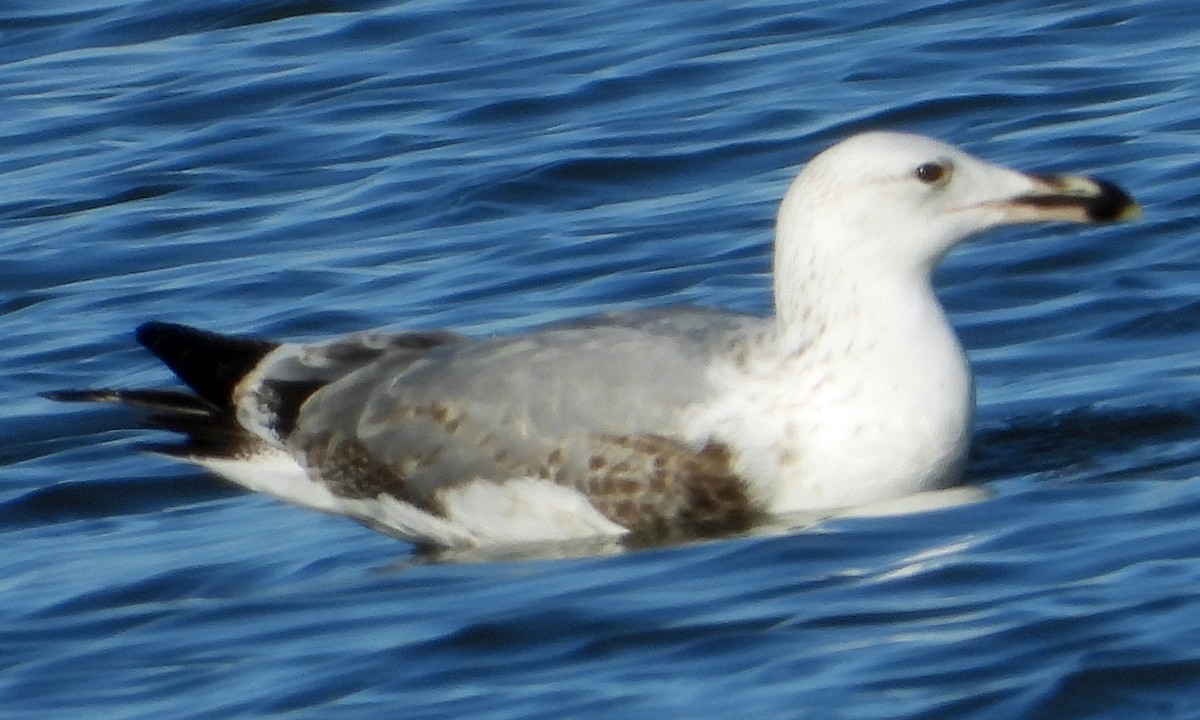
(1075, 440)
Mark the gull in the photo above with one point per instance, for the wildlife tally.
(641, 426)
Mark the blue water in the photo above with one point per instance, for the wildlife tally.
(298, 168)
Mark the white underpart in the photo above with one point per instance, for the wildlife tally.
(523, 510)
(478, 512)
(849, 420)
(277, 473)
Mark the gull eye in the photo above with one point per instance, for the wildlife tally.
(932, 172)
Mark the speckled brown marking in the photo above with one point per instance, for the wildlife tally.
(627, 512)
(658, 488)
(662, 489)
(349, 471)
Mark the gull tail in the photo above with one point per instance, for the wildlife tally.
(211, 365)
(246, 398)
(247, 394)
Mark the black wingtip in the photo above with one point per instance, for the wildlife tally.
(173, 401)
(80, 396)
(210, 364)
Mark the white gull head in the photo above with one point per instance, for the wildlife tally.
(888, 206)
(864, 392)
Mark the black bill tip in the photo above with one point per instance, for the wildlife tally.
(1078, 199)
(1111, 204)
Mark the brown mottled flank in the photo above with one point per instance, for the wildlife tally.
(658, 488)
(347, 468)
(663, 489)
